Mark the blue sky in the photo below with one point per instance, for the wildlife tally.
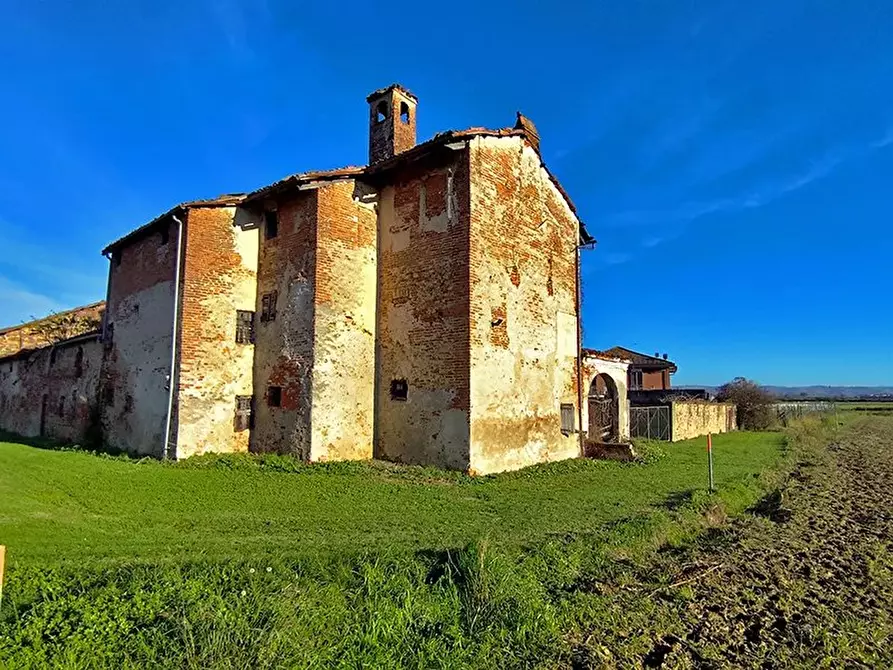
(733, 159)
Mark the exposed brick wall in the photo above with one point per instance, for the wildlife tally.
(523, 317)
(391, 136)
(53, 391)
(219, 277)
(284, 346)
(134, 383)
(344, 308)
(32, 335)
(423, 314)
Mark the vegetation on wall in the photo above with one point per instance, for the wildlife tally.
(57, 327)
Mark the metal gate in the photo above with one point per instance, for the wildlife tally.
(603, 419)
(653, 423)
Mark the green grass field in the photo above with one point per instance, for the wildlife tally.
(268, 562)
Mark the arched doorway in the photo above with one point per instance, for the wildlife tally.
(604, 410)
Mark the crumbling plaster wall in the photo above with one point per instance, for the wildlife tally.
(64, 380)
(219, 277)
(342, 415)
(523, 321)
(618, 371)
(135, 377)
(694, 419)
(284, 345)
(423, 221)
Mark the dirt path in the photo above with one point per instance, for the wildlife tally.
(807, 581)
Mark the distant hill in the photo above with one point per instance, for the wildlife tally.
(843, 392)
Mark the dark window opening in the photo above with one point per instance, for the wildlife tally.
(244, 326)
(635, 379)
(399, 389)
(53, 356)
(268, 306)
(404, 112)
(271, 224)
(79, 362)
(274, 396)
(61, 406)
(381, 111)
(244, 412)
(568, 421)
(165, 236)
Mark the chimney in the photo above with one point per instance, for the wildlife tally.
(391, 122)
(657, 354)
(665, 357)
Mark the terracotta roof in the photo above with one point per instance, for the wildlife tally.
(381, 91)
(295, 180)
(29, 324)
(527, 131)
(642, 360)
(225, 200)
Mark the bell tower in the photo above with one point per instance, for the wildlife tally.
(392, 119)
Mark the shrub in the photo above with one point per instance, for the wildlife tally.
(753, 403)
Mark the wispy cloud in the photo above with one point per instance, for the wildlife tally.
(759, 195)
(18, 303)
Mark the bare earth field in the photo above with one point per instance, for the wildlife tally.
(806, 581)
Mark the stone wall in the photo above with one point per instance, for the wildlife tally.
(53, 391)
(219, 277)
(693, 419)
(423, 284)
(523, 321)
(139, 321)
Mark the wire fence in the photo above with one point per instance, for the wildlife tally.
(785, 411)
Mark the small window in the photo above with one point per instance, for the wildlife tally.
(165, 235)
(568, 422)
(268, 306)
(79, 362)
(244, 326)
(244, 413)
(404, 112)
(61, 405)
(274, 396)
(271, 224)
(399, 389)
(52, 356)
(635, 380)
(381, 111)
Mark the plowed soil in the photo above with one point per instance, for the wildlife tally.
(805, 580)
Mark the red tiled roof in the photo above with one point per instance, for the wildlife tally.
(642, 360)
(225, 200)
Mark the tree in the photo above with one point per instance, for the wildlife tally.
(753, 403)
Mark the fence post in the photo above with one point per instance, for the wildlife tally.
(2, 566)
(710, 461)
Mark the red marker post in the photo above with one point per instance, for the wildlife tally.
(710, 460)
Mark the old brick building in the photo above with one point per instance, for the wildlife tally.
(421, 309)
